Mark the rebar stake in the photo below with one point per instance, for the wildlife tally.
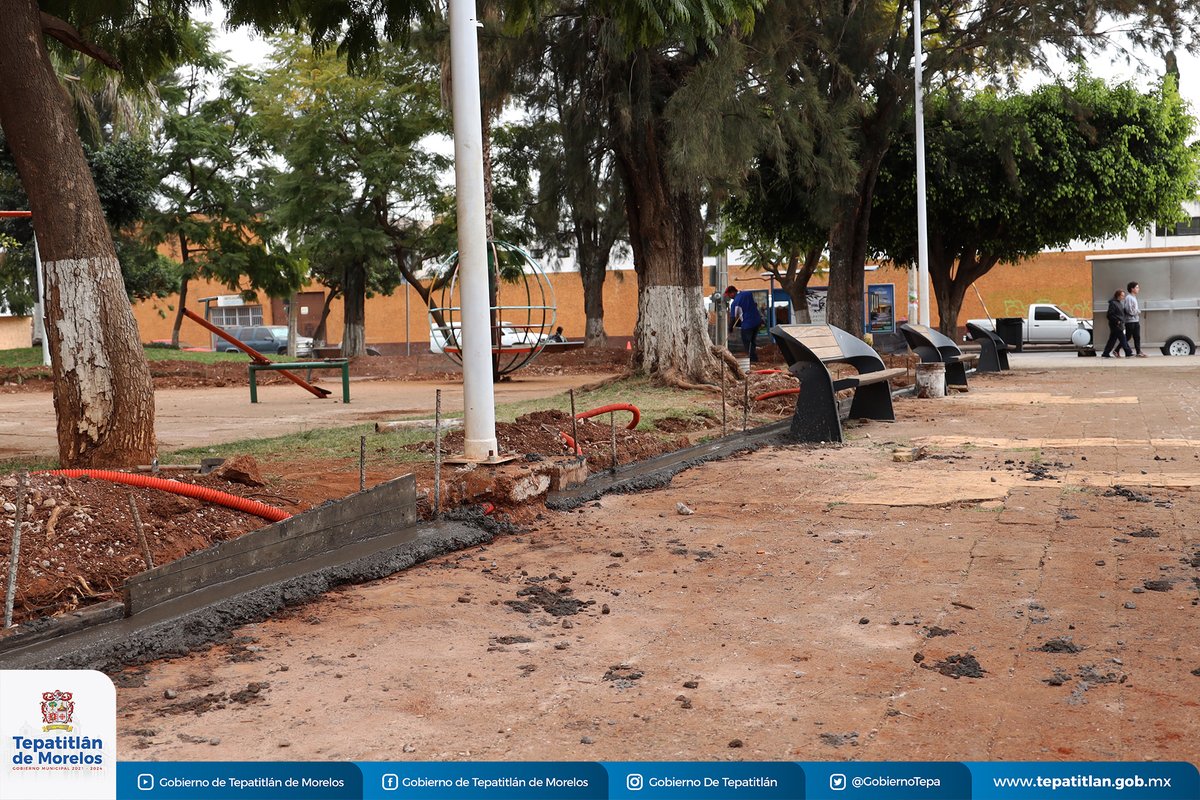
(746, 404)
(362, 463)
(724, 409)
(574, 427)
(437, 455)
(15, 554)
(141, 532)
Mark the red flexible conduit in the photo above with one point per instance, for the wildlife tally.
(777, 393)
(186, 489)
(632, 409)
(571, 444)
(633, 423)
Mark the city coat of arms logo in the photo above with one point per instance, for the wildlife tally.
(57, 708)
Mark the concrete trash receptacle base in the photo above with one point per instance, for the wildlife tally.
(931, 380)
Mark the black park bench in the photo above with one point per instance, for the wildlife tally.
(993, 351)
(809, 349)
(934, 347)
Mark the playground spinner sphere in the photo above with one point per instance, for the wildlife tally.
(522, 308)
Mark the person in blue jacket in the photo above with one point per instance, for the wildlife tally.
(744, 314)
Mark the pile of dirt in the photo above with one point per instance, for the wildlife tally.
(78, 543)
(540, 434)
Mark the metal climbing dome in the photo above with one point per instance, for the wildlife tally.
(522, 308)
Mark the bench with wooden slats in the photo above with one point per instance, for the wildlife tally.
(993, 351)
(809, 350)
(933, 347)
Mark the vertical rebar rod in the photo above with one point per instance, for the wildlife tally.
(362, 463)
(437, 455)
(724, 407)
(746, 404)
(575, 426)
(612, 435)
(15, 554)
(141, 532)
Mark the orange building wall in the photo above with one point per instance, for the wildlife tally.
(1061, 278)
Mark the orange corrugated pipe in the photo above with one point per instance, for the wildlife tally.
(571, 443)
(632, 409)
(777, 393)
(186, 489)
(637, 415)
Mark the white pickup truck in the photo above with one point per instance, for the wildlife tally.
(1046, 323)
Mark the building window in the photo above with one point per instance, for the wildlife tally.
(1189, 228)
(235, 316)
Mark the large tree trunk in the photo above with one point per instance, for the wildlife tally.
(103, 393)
(593, 267)
(183, 292)
(848, 235)
(795, 281)
(666, 231)
(320, 335)
(354, 300)
(950, 284)
(848, 254)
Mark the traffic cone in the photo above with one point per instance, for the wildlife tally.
(629, 345)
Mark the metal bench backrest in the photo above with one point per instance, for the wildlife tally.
(923, 335)
(983, 333)
(827, 344)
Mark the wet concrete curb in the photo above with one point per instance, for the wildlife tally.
(207, 616)
(657, 472)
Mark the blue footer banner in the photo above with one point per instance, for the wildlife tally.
(655, 780)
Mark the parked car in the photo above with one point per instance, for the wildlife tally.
(510, 337)
(1046, 323)
(266, 339)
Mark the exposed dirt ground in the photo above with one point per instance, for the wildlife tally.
(79, 542)
(998, 598)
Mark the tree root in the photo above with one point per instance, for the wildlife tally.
(591, 387)
(729, 361)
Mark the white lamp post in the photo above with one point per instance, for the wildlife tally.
(922, 221)
(479, 399)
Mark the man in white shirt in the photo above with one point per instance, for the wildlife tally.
(1133, 318)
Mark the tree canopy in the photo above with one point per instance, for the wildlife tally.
(1009, 175)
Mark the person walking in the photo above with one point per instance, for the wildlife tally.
(744, 314)
(1116, 325)
(1133, 318)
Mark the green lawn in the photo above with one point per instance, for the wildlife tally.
(32, 356)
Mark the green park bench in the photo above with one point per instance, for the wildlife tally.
(329, 363)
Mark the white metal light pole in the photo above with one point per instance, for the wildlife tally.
(479, 398)
(922, 220)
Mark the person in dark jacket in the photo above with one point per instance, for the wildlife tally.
(1116, 325)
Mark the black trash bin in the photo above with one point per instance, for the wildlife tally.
(1012, 331)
